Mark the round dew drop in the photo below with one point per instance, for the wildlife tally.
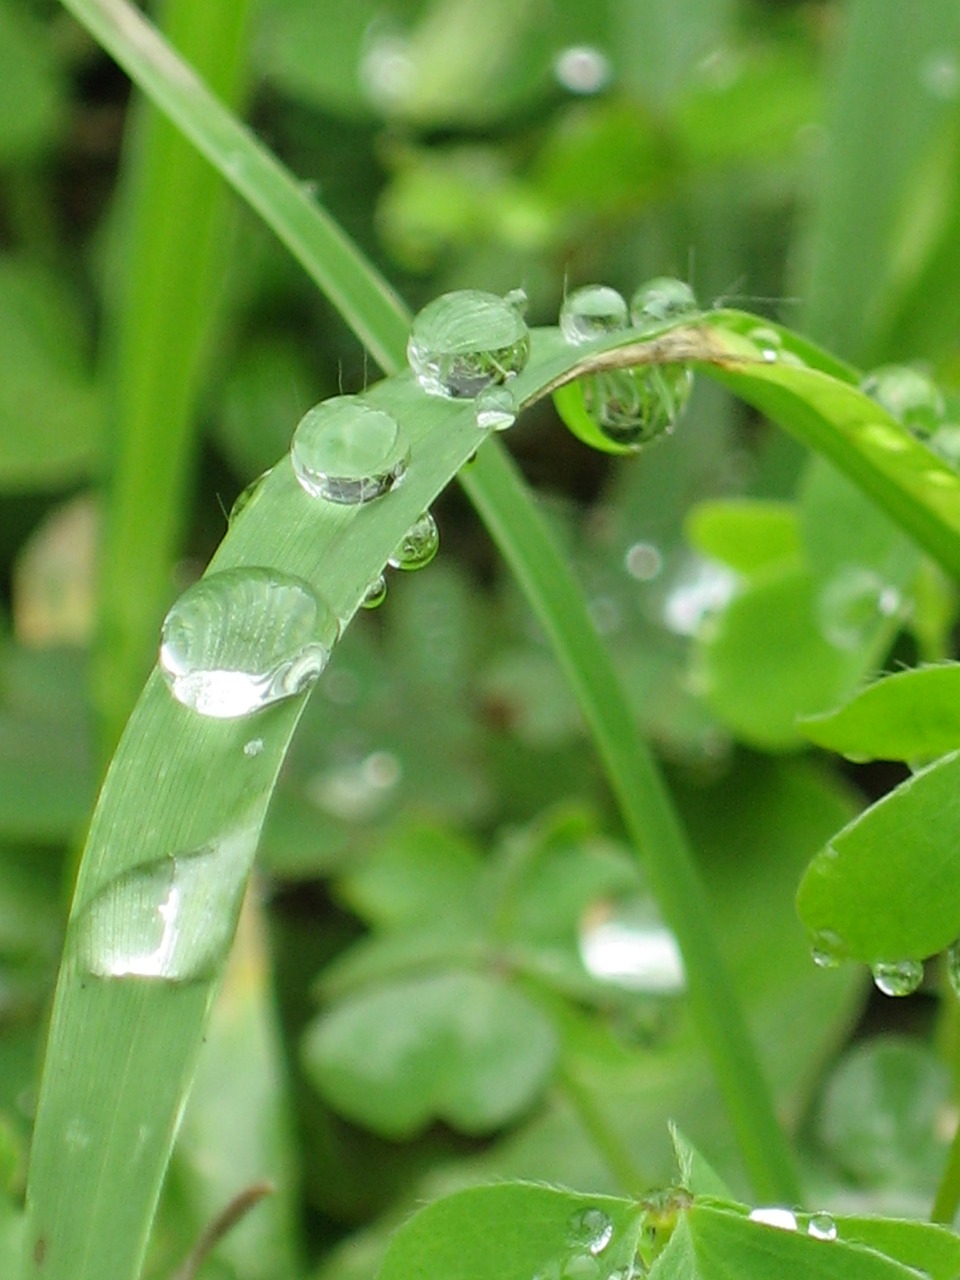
(375, 593)
(590, 1229)
(592, 312)
(466, 341)
(822, 1227)
(907, 395)
(347, 451)
(661, 300)
(631, 407)
(243, 639)
(897, 977)
(418, 546)
(496, 409)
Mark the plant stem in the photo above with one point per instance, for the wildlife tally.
(368, 304)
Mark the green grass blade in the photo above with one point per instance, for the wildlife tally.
(161, 319)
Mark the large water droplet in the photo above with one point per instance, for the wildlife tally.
(347, 451)
(465, 341)
(242, 639)
(590, 1229)
(418, 545)
(631, 407)
(774, 1216)
(592, 312)
(822, 1227)
(908, 395)
(897, 977)
(170, 920)
(496, 409)
(631, 947)
(661, 300)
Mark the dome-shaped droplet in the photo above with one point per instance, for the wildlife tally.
(908, 395)
(590, 1229)
(496, 409)
(169, 920)
(661, 300)
(897, 977)
(826, 949)
(592, 312)
(465, 341)
(347, 451)
(768, 341)
(247, 496)
(418, 545)
(375, 593)
(822, 1227)
(242, 639)
(631, 407)
(774, 1216)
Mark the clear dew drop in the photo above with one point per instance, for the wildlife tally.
(592, 312)
(826, 949)
(952, 960)
(897, 977)
(496, 409)
(375, 594)
(631, 407)
(908, 395)
(661, 300)
(418, 546)
(347, 451)
(590, 1229)
(247, 496)
(170, 920)
(822, 1227)
(466, 341)
(242, 639)
(774, 1216)
(768, 341)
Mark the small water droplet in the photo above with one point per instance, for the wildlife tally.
(242, 639)
(465, 341)
(769, 342)
(590, 1229)
(418, 546)
(643, 561)
(247, 496)
(822, 1227)
(582, 69)
(897, 977)
(375, 594)
(952, 959)
(253, 748)
(661, 300)
(592, 312)
(907, 395)
(169, 920)
(826, 949)
(496, 409)
(631, 407)
(347, 451)
(774, 1216)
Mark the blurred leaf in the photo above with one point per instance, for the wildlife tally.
(461, 1047)
(887, 886)
(881, 1119)
(51, 410)
(748, 534)
(696, 1173)
(32, 96)
(910, 715)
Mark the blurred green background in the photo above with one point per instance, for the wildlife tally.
(441, 839)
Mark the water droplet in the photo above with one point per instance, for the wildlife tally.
(908, 395)
(253, 748)
(590, 1229)
(496, 409)
(851, 605)
(242, 639)
(631, 947)
(643, 561)
(897, 977)
(592, 312)
(465, 341)
(826, 949)
(769, 342)
(953, 967)
(582, 69)
(247, 496)
(168, 920)
(822, 1227)
(375, 594)
(347, 451)
(782, 1219)
(631, 407)
(661, 300)
(418, 545)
